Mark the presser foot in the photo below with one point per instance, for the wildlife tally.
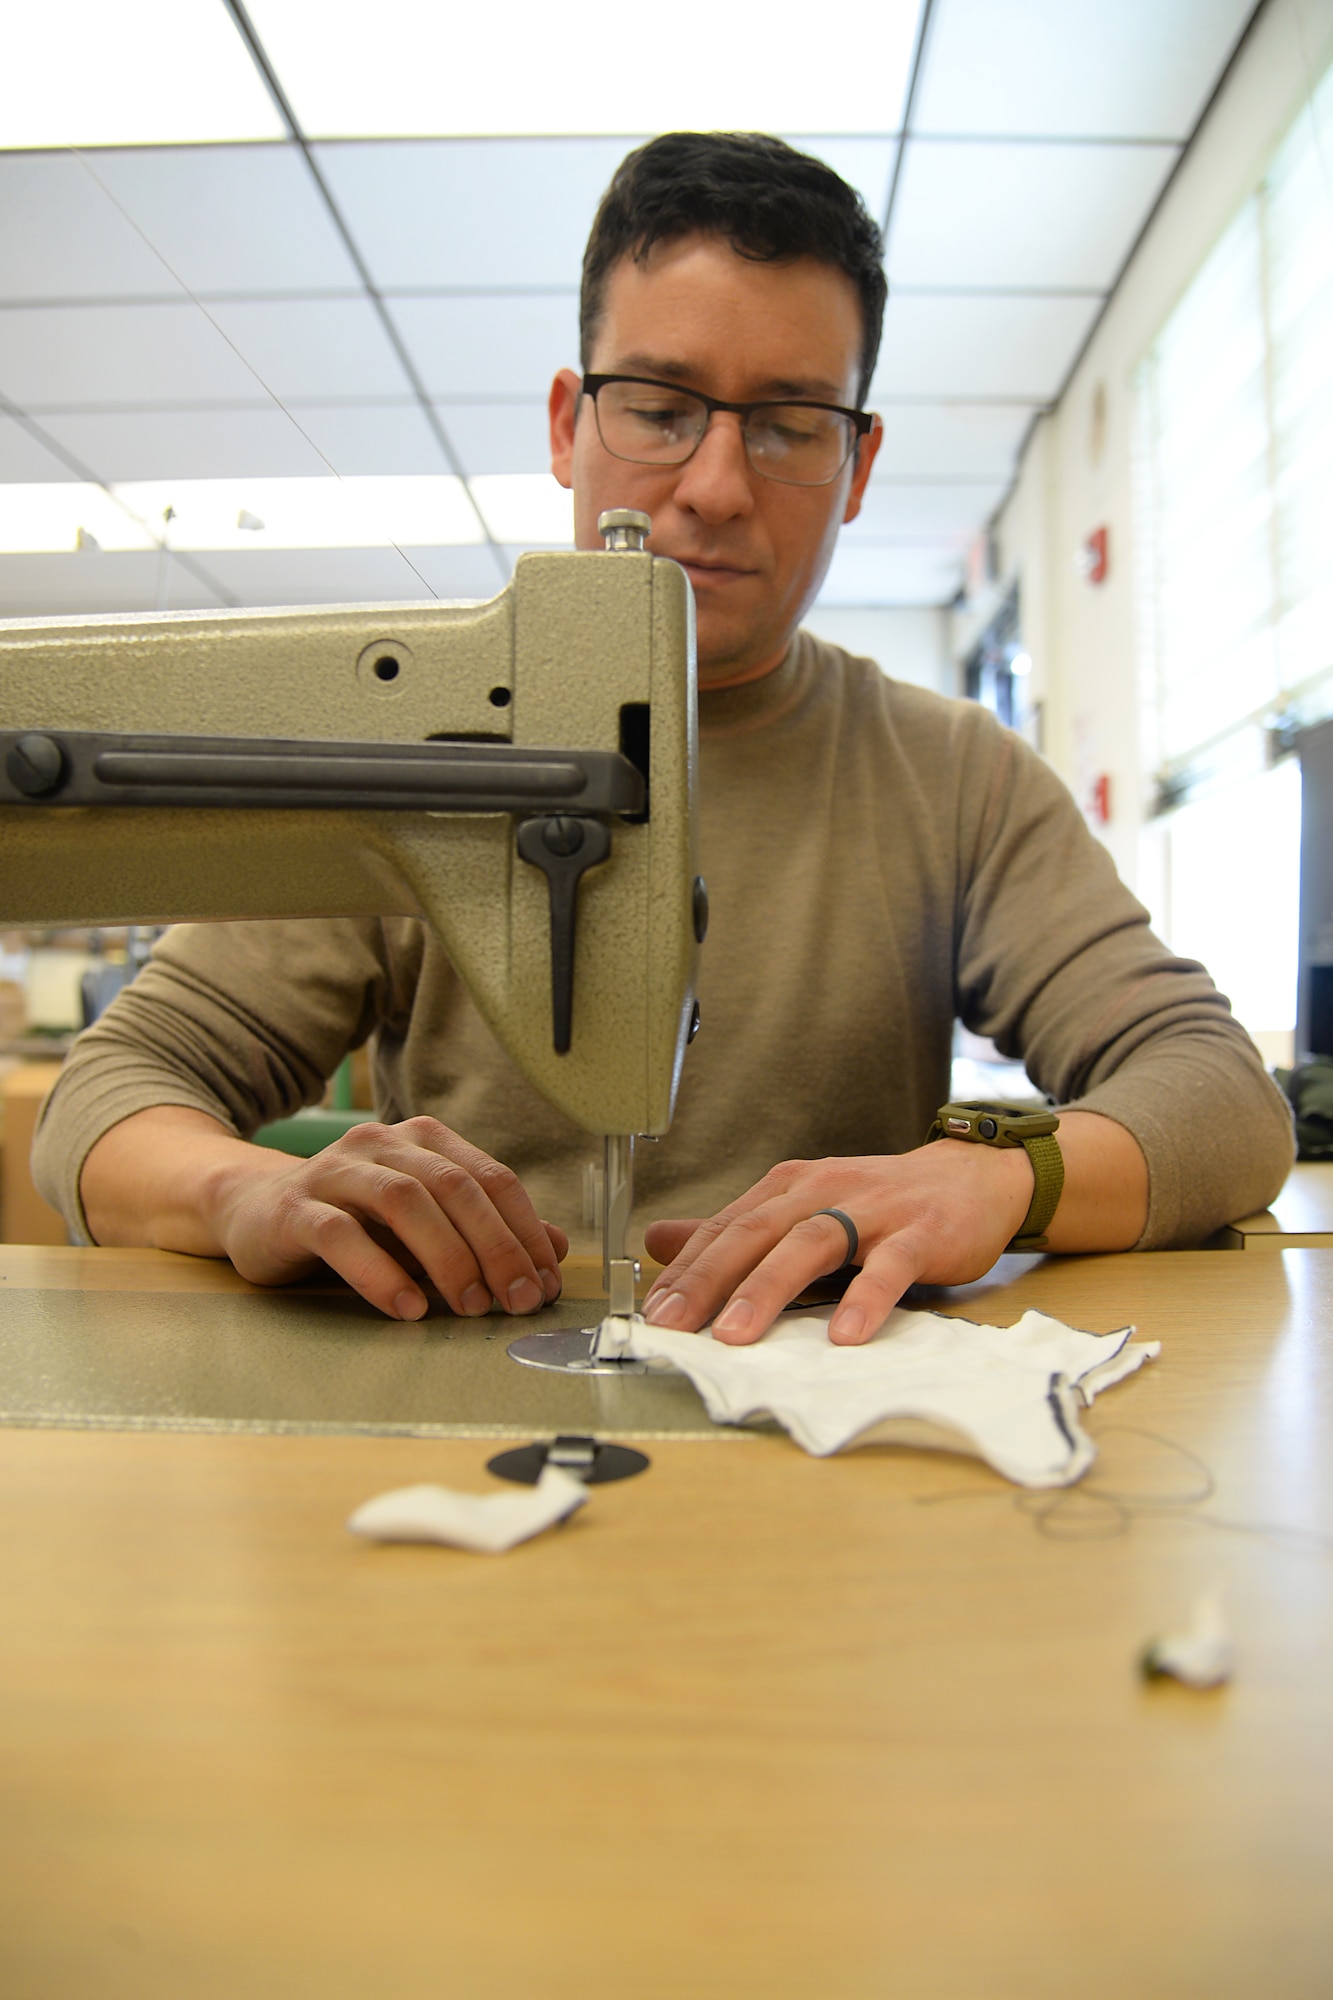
(570, 1347)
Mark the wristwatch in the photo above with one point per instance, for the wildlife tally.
(1005, 1125)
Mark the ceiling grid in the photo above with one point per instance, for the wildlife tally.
(355, 281)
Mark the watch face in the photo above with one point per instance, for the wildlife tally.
(995, 1124)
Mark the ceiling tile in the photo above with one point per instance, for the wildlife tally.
(499, 437)
(1012, 215)
(980, 346)
(318, 576)
(141, 72)
(314, 348)
(924, 512)
(357, 438)
(488, 346)
(419, 68)
(24, 459)
(529, 508)
(462, 573)
(232, 218)
(893, 573)
(47, 586)
(70, 357)
(187, 444)
(865, 164)
(1142, 69)
(62, 238)
(486, 213)
(951, 440)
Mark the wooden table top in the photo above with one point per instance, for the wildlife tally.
(750, 1725)
(1300, 1218)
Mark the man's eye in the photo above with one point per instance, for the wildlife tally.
(661, 416)
(796, 427)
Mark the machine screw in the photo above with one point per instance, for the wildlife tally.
(562, 835)
(624, 527)
(700, 902)
(35, 765)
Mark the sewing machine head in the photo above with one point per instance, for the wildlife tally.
(498, 769)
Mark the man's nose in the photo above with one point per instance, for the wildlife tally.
(717, 483)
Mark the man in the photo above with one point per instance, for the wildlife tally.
(879, 860)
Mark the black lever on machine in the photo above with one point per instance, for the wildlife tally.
(564, 846)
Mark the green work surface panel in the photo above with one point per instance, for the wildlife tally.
(308, 1362)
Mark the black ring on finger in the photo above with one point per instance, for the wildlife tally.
(853, 1240)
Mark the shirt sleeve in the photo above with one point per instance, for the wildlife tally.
(243, 1021)
(1057, 963)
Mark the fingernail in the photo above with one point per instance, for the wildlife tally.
(669, 1311)
(847, 1327)
(524, 1295)
(409, 1305)
(476, 1299)
(736, 1317)
(550, 1282)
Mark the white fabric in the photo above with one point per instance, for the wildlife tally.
(488, 1523)
(1010, 1394)
(1202, 1656)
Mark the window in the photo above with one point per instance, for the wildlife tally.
(1234, 507)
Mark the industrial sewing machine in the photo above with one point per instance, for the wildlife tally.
(520, 773)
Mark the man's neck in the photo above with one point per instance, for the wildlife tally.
(730, 674)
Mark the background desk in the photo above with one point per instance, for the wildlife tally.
(1300, 1218)
(751, 1725)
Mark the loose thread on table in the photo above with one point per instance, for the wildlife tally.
(1088, 1513)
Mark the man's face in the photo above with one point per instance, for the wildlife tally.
(755, 551)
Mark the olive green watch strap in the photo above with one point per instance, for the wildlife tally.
(1048, 1170)
(1009, 1126)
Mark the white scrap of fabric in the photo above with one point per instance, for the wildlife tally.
(1202, 1656)
(488, 1523)
(1012, 1395)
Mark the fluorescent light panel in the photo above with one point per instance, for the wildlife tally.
(415, 68)
(425, 511)
(132, 73)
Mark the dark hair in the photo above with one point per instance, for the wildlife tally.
(768, 201)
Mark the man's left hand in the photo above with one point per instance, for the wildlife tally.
(940, 1215)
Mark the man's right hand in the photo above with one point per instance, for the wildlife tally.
(381, 1203)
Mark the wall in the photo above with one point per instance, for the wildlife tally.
(911, 644)
(1076, 472)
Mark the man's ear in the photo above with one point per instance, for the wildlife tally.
(867, 450)
(566, 390)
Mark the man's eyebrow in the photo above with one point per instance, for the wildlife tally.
(778, 388)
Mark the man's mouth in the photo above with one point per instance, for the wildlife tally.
(707, 571)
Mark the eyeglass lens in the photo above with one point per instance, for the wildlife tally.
(793, 442)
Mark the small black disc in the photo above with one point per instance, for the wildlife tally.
(525, 1464)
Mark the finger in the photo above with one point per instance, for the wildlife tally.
(559, 1239)
(702, 1235)
(666, 1240)
(874, 1292)
(374, 1194)
(680, 1244)
(506, 1194)
(456, 1227)
(813, 1245)
(337, 1239)
(723, 1253)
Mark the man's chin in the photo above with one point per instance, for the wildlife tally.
(730, 652)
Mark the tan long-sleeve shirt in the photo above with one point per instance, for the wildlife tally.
(879, 861)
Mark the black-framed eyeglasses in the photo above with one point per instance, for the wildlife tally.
(658, 423)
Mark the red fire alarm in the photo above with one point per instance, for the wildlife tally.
(1094, 556)
(1099, 800)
